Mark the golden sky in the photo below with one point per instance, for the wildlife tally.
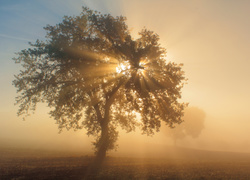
(210, 37)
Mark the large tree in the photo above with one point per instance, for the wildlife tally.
(94, 75)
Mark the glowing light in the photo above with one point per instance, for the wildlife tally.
(123, 67)
(142, 64)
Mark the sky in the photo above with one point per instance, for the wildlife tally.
(210, 37)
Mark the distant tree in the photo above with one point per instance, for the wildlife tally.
(94, 75)
(192, 126)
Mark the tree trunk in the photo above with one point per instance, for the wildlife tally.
(102, 146)
(101, 152)
(103, 143)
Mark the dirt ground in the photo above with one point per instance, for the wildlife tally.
(215, 166)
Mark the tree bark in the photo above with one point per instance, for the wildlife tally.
(101, 152)
(104, 141)
(103, 145)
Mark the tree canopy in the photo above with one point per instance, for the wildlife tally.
(94, 75)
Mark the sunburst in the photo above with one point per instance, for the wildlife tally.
(123, 67)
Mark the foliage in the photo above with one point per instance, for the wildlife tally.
(94, 75)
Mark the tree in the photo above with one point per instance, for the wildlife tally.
(94, 75)
(192, 126)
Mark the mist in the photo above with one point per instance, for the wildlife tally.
(40, 132)
(210, 38)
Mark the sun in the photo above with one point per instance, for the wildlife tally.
(123, 67)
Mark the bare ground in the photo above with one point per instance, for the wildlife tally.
(196, 165)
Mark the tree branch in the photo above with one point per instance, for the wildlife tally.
(98, 112)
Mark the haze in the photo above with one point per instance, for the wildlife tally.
(211, 39)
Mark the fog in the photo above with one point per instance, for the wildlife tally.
(39, 132)
(211, 38)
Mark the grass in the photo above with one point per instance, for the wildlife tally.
(208, 166)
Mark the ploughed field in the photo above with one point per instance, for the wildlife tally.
(189, 164)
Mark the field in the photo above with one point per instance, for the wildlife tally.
(189, 164)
